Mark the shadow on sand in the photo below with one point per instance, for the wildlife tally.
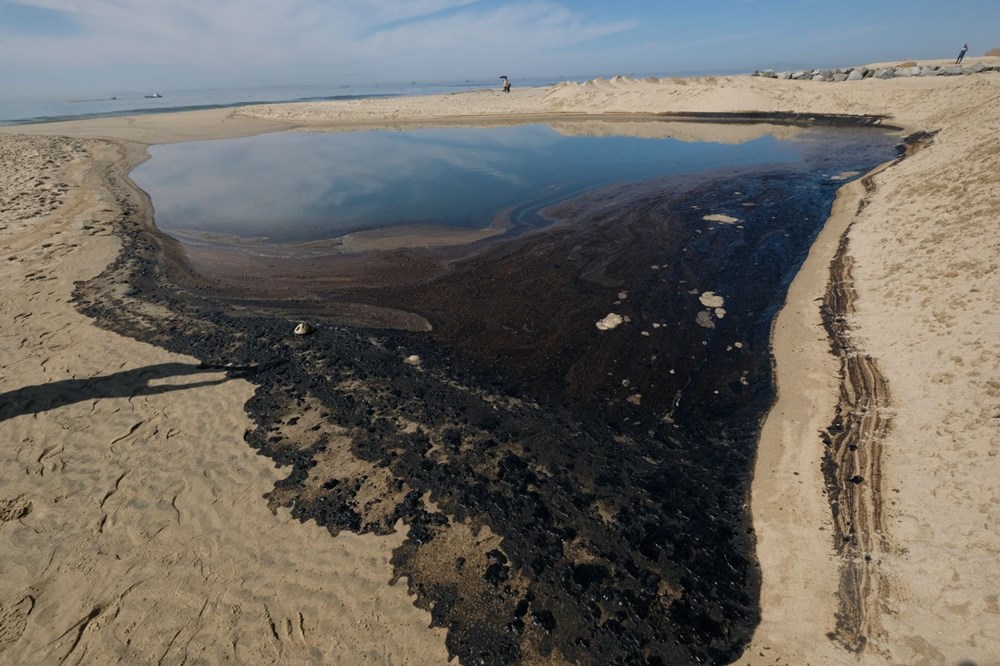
(124, 384)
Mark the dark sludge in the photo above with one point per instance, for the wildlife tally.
(566, 492)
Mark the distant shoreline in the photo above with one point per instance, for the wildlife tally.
(39, 120)
(40, 111)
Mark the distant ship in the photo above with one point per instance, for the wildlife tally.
(154, 96)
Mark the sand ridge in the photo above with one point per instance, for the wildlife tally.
(924, 253)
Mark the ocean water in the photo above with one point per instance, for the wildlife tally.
(118, 103)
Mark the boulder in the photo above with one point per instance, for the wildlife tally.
(817, 77)
(839, 77)
(800, 74)
(952, 70)
(856, 75)
(769, 73)
(975, 68)
(885, 73)
(929, 71)
(908, 71)
(784, 76)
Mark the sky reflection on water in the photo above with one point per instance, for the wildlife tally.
(296, 187)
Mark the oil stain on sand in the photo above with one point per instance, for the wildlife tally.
(568, 493)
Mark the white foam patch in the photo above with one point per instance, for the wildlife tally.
(711, 300)
(719, 217)
(611, 321)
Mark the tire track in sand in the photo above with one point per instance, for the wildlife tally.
(852, 465)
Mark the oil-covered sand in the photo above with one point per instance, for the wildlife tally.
(567, 490)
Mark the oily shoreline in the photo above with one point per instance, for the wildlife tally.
(543, 619)
(127, 479)
(905, 257)
(340, 424)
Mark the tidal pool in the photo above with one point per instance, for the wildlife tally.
(298, 187)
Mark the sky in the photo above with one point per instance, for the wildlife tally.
(52, 47)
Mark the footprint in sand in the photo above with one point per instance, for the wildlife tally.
(14, 509)
(13, 620)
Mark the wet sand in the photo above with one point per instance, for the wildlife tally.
(913, 552)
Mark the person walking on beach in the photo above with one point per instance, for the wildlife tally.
(961, 54)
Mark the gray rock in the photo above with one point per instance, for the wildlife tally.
(952, 70)
(769, 73)
(885, 73)
(929, 71)
(908, 71)
(817, 77)
(839, 77)
(799, 74)
(975, 68)
(785, 76)
(856, 75)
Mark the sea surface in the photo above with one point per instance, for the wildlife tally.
(120, 103)
(570, 492)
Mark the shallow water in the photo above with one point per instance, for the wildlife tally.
(298, 187)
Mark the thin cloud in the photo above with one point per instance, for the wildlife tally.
(382, 39)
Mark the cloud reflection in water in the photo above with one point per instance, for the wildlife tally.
(309, 186)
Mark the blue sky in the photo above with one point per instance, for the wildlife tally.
(93, 46)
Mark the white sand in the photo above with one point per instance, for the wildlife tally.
(180, 558)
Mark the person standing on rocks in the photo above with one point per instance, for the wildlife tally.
(961, 54)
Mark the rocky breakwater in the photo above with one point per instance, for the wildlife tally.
(904, 70)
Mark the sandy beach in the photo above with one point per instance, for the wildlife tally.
(131, 512)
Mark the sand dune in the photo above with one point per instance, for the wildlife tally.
(131, 519)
